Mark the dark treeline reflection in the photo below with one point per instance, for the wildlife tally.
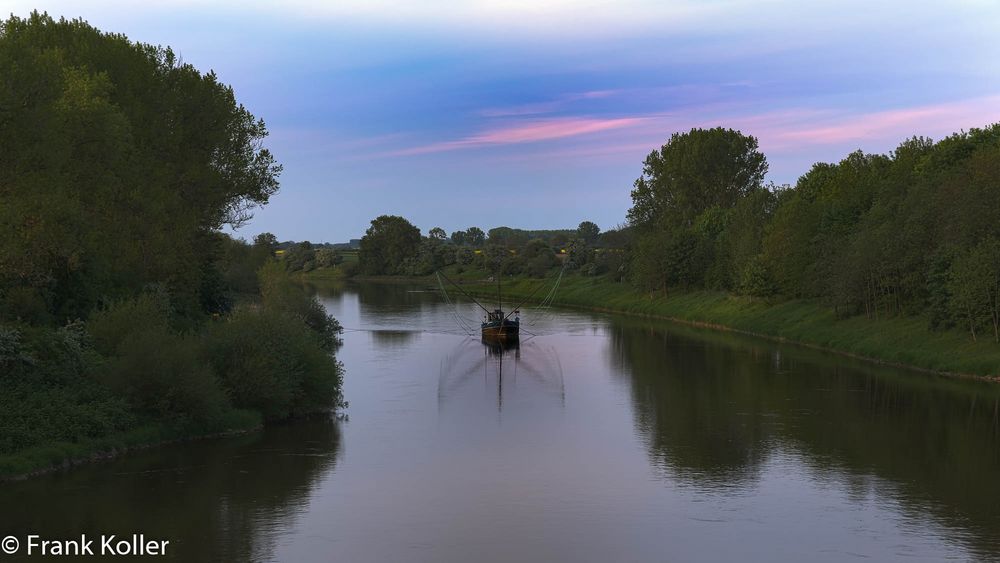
(391, 298)
(385, 304)
(713, 408)
(226, 499)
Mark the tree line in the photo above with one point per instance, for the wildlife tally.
(915, 232)
(122, 305)
(910, 233)
(394, 246)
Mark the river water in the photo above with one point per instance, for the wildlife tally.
(601, 438)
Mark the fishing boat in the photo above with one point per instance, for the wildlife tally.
(498, 327)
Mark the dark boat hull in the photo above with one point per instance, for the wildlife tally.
(505, 331)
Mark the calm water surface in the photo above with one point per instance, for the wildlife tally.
(600, 439)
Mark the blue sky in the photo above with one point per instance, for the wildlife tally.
(538, 114)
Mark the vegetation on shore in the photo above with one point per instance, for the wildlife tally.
(891, 257)
(903, 340)
(126, 316)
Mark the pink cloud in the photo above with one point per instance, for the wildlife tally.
(785, 132)
(530, 132)
(934, 119)
(781, 132)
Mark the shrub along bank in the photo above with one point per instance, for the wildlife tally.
(129, 377)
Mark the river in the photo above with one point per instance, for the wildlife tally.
(601, 438)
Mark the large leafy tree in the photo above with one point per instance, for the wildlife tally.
(695, 171)
(118, 164)
(387, 243)
(682, 205)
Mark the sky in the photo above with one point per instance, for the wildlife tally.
(538, 114)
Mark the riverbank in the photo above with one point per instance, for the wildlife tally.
(905, 342)
(51, 457)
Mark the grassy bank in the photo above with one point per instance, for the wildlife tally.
(903, 341)
(56, 455)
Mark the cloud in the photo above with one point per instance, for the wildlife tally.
(782, 132)
(547, 107)
(929, 120)
(526, 132)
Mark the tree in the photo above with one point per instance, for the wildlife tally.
(694, 171)
(135, 159)
(387, 243)
(302, 256)
(266, 241)
(975, 286)
(683, 203)
(475, 236)
(507, 237)
(458, 237)
(437, 233)
(328, 258)
(588, 231)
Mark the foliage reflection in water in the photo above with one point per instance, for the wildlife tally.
(603, 439)
(225, 499)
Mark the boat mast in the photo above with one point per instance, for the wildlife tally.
(499, 298)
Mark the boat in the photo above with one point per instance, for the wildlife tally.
(499, 328)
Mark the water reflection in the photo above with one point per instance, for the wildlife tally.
(713, 408)
(525, 369)
(218, 499)
(604, 439)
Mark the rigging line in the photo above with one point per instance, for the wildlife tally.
(462, 322)
(551, 294)
(462, 290)
(523, 301)
(545, 304)
(466, 324)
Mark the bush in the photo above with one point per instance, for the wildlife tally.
(47, 393)
(279, 294)
(111, 327)
(159, 372)
(268, 361)
(163, 375)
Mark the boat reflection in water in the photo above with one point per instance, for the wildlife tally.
(522, 372)
(503, 344)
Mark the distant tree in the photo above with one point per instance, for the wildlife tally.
(301, 257)
(459, 237)
(507, 237)
(437, 233)
(387, 243)
(588, 231)
(475, 236)
(266, 241)
(327, 258)
(538, 258)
